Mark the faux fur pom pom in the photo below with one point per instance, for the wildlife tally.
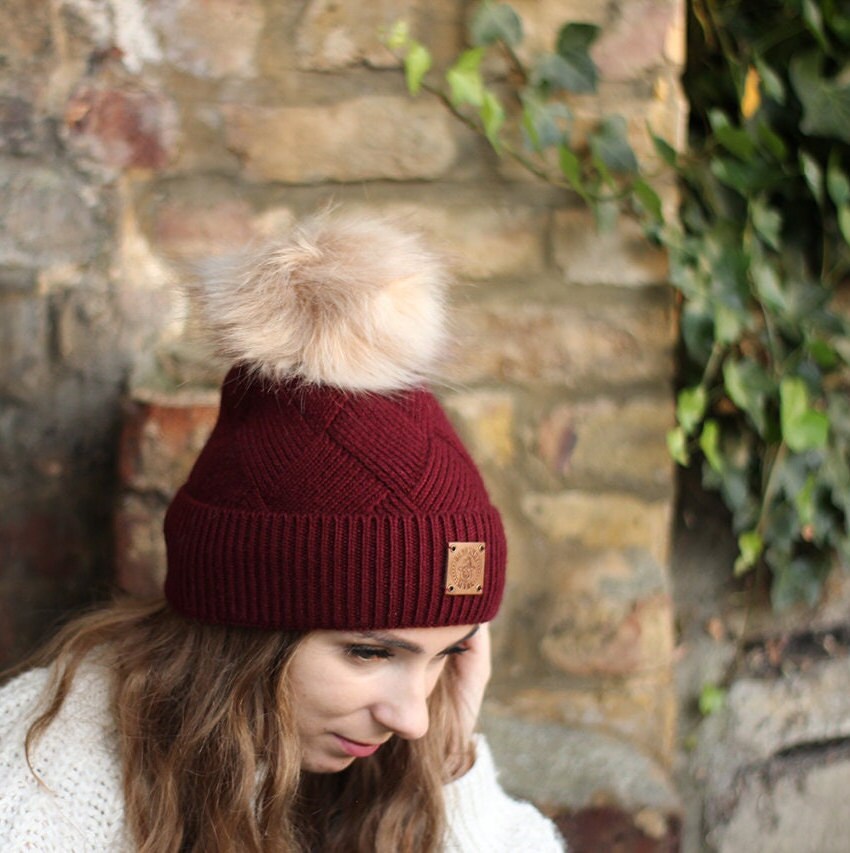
(347, 301)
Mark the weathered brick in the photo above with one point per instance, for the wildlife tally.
(216, 38)
(161, 439)
(542, 19)
(123, 127)
(190, 229)
(640, 709)
(623, 256)
(635, 41)
(609, 614)
(366, 138)
(24, 363)
(609, 443)
(603, 520)
(140, 558)
(487, 421)
(610, 343)
(45, 216)
(482, 241)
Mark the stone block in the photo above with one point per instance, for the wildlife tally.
(161, 438)
(609, 443)
(192, 229)
(622, 256)
(367, 138)
(18, 134)
(765, 718)
(636, 40)
(45, 216)
(610, 343)
(640, 709)
(609, 614)
(140, 559)
(555, 766)
(24, 363)
(122, 128)
(600, 520)
(332, 35)
(482, 241)
(794, 805)
(84, 325)
(487, 423)
(542, 19)
(213, 39)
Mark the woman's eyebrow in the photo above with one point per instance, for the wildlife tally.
(397, 643)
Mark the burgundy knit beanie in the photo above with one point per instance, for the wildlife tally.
(333, 491)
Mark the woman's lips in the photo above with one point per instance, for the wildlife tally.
(358, 750)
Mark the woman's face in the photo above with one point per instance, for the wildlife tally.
(353, 690)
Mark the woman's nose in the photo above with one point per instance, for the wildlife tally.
(404, 710)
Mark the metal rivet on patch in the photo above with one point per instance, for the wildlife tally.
(465, 568)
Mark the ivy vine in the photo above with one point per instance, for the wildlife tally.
(759, 249)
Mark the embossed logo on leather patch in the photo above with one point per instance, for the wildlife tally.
(465, 568)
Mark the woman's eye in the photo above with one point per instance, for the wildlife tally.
(368, 652)
(456, 650)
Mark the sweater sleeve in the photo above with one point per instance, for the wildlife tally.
(77, 805)
(482, 818)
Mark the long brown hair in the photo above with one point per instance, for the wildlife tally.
(211, 761)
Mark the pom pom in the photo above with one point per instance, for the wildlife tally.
(352, 302)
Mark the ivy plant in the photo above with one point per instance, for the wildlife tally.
(759, 249)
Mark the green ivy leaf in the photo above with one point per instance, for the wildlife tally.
(571, 169)
(649, 199)
(749, 388)
(844, 221)
(712, 698)
(771, 141)
(826, 103)
(814, 21)
(496, 22)
(804, 501)
(734, 139)
(800, 579)
(397, 38)
(545, 123)
(768, 284)
(771, 82)
(709, 444)
(464, 78)
(767, 221)
(665, 150)
(813, 174)
(416, 65)
(677, 446)
(837, 183)
(803, 428)
(574, 74)
(729, 323)
(750, 547)
(493, 117)
(576, 38)
(610, 145)
(690, 407)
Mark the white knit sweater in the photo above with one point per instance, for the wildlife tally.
(79, 808)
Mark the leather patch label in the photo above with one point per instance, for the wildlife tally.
(465, 568)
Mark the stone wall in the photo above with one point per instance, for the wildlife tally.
(137, 137)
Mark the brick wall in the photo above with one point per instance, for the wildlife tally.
(137, 137)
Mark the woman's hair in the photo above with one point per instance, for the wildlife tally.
(211, 761)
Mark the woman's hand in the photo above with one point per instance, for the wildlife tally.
(473, 670)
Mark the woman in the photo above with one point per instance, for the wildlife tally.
(312, 678)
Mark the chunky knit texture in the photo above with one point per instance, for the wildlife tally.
(80, 808)
(311, 507)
